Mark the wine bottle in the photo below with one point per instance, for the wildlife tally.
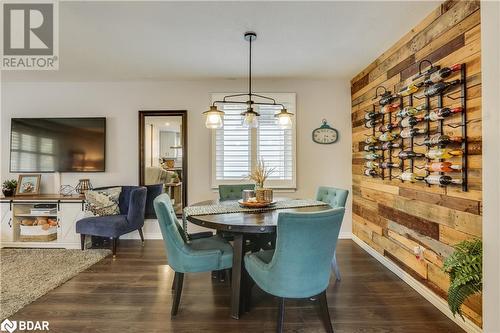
(441, 180)
(371, 148)
(411, 111)
(371, 173)
(371, 165)
(372, 156)
(406, 154)
(441, 140)
(419, 79)
(442, 113)
(370, 139)
(442, 167)
(408, 90)
(372, 123)
(387, 136)
(442, 74)
(410, 121)
(390, 145)
(389, 108)
(387, 127)
(440, 153)
(439, 87)
(411, 132)
(372, 115)
(387, 165)
(387, 98)
(410, 177)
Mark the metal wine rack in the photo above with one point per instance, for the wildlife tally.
(440, 125)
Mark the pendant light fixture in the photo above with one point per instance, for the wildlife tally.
(214, 117)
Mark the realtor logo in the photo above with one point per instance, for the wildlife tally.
(30, 39)
(9, 326)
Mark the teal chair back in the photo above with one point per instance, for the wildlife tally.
(335, 197)
(305, 245)
(233, 192)
(171, 230)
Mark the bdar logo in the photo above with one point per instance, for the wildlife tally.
(9, 326)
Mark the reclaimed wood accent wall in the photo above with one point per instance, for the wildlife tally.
(394, 217)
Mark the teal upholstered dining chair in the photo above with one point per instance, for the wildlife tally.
(299, 267)
(335, 197)
(233, 192)
(196, 255)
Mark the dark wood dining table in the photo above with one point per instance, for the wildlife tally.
(242, 225)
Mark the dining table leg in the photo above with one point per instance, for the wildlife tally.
(236, 275)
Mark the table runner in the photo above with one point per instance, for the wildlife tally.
(234, 207)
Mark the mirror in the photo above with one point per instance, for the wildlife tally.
(163, 152)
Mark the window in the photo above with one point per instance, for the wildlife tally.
(236, 150)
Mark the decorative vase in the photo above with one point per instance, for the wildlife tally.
(8, 192)
(264, 194)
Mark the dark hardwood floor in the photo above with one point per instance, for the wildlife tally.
(133, 294)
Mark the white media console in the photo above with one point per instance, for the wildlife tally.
(62, 210)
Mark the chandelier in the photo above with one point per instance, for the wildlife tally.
(214, 116)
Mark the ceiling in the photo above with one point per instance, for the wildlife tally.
(115, 41)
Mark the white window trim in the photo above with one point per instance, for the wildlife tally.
(288, 99)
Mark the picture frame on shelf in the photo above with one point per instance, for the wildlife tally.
(28, 184)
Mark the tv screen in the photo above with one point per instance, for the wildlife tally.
(57, 144)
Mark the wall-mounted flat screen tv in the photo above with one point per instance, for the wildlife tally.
(58, 145)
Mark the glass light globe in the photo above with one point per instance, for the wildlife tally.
(284, 119)
(214, 118)
(250, 120)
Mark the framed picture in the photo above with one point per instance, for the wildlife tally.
(28, 184)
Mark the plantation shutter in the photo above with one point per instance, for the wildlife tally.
(232, 146)
(236, 150)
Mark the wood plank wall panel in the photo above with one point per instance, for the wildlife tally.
(393, 217)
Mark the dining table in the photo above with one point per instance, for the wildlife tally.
(243, 224)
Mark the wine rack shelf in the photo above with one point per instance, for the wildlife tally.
(407, 166)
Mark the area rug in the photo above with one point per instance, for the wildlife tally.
(27, 274)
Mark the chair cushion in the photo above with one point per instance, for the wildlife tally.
(215, 243)
(106, 226)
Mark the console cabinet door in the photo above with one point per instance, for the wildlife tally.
(69, 212)
(6, 224)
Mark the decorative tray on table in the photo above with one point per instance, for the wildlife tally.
(256, 204)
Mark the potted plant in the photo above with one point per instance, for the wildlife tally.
(465, 268)
(9, 187)
(259, 175)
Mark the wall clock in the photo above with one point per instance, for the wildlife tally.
(325, 134)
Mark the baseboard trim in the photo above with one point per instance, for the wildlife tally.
(345, 235)
(428, 294)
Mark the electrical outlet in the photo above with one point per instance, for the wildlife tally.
(418, 251)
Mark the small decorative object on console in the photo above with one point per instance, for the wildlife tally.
(83, 185)
(28, 184)
(9, 187)
(67, 190)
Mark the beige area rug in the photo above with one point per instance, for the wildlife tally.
(27, 274)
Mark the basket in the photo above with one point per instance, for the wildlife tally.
(36, 233)
(264, 195)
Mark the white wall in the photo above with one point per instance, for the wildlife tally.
(120, 101)
(490, 32)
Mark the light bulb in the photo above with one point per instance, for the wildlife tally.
(284, 121)
(250, 120)
(214, 118)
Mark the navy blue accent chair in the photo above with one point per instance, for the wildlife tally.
(132, 204)
(154, 190)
